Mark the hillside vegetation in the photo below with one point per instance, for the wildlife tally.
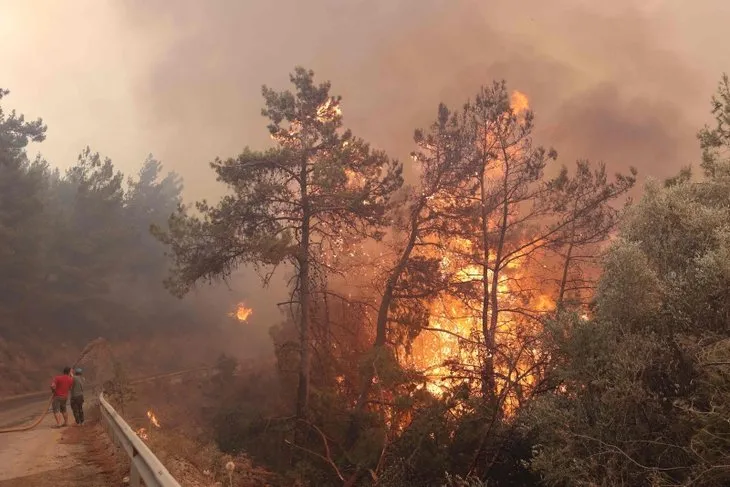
(77, 262)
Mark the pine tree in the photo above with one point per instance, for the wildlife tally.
(22, 192)
(316, 191)
(586, 219)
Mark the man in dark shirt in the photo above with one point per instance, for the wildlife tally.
(77, 396)
(61, 386)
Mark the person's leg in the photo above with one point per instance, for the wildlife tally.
(81, 410)
(57, 410)
(75, 409)
(64, 412)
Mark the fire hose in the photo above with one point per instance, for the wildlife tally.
(40, 418)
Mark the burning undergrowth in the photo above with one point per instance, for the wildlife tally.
(177, 429)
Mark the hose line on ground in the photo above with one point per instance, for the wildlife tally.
(40, 418)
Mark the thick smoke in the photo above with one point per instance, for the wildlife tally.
(626, 82)
(615, 83)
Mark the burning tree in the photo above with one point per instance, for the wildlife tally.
(319, 189)
(508, 172)
(411, 275)
(494, 195)
(506, 218)
(470, 277)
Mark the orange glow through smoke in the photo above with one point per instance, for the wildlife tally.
(519, 103)
(242, 313)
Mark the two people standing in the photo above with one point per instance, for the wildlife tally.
(63, 386)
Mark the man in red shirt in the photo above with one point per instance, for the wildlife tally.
(61, 386)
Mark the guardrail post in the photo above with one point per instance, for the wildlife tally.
(134, 478)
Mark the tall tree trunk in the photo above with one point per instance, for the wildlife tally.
(488, 366)
(564, 278)
(494, 291)
(304, 302)
(566, 264)
(327, 328)
(381, 327)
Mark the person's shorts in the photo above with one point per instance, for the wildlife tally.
(59, 404)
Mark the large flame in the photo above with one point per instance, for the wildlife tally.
(453, 342)
(519, 102)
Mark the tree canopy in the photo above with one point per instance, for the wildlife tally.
(642, 387)
(71, 246)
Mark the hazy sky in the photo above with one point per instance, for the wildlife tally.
(627, 81)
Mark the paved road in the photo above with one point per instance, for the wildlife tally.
(21, 411)
(26, 454)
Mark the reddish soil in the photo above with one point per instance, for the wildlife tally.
(101, 464)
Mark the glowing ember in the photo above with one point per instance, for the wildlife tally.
(328, 111)
(142, 433)
(153, 418)
(354, 180)
(242, 313)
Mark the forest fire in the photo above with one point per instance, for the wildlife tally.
(242, 313)
(453, 346)
(328, 110)
(453, 339)
(482, 313)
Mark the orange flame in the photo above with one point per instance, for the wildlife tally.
(329, 110)
(142, 433)
(519, 102)
(242, 313)
(354, 180)
(153, 418)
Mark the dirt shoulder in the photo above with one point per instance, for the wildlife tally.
(71, 456)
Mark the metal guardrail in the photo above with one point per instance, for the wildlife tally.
(145, 466)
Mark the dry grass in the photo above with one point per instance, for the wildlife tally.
(182, 442)
(203, 464)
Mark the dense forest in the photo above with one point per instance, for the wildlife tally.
(479, 314)
(77, 261)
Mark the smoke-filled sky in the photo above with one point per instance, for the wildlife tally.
(627, 82)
